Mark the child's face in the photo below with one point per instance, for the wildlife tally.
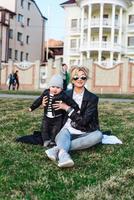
(55, 90)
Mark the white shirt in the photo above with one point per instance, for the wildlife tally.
(49, 109)
(78, 99)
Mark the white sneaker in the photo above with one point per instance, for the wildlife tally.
(52, 153)
(65, 160)
(46, 143)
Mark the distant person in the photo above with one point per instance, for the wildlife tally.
(16, 80)
(11, 81)
(65, 75)
(51, 55)
(53, 119)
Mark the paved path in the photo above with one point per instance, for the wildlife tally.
(19, 96)
(116, 100)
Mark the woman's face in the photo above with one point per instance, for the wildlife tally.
(79, 79)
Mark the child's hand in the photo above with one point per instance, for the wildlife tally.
(29, 109)
(44, 101)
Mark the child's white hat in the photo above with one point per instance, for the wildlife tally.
(56, 81)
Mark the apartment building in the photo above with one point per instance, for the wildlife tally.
(26, 31)
(5, 16)
(98, 30)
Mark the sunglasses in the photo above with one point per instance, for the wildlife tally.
(75, 78)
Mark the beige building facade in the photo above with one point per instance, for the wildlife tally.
(99, 30)
(26, 32)
(5, 16)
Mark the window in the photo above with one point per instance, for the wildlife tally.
(131, 19)
(29, 5)
(74, 23)
(130, 41)
(11, 16)
(72, 62)
(27, 55)
(27, 39)
(21, 56)
(105, 16)
(9, 53)
(19, 36)
(11, 33)
(115, 39)
(28, 21)
(73, 43)
(20, 18)
(116, 17)
(22, 3)
(16, 55)
(103, 58)
(104, 38)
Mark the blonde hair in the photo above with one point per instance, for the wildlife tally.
(75, 69)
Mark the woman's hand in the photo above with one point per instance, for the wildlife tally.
(44, 101)
(60, 105)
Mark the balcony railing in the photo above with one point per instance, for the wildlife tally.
(107, 22)
(131, 28)
(75, 30)
(130, 49)
(95, 45)
(74, 51)
(95, 22)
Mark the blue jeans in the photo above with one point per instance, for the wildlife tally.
(65, 140)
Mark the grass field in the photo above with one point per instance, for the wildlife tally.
(104, 172)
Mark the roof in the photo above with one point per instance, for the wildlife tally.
(74, 1)
(54, 43)
(6, 10)
(39, 10)
(68, 2)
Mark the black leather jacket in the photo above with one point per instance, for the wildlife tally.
(59, 97)
(87, 119)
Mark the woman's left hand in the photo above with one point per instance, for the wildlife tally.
(60, 105)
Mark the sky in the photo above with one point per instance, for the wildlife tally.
(55, 14)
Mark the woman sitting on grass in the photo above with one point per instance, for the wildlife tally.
(81, 129)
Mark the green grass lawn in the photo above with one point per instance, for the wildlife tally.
(104, 172)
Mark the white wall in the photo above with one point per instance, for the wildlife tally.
(8, 4)
(34, 31)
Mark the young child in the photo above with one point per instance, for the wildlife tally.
(52, 120)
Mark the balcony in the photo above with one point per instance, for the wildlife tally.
(95, 22)
(131, 28)
(75, 31)
(130, 50)
(107, 22)
(104, 46)
(4, 18)
(74, 52)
